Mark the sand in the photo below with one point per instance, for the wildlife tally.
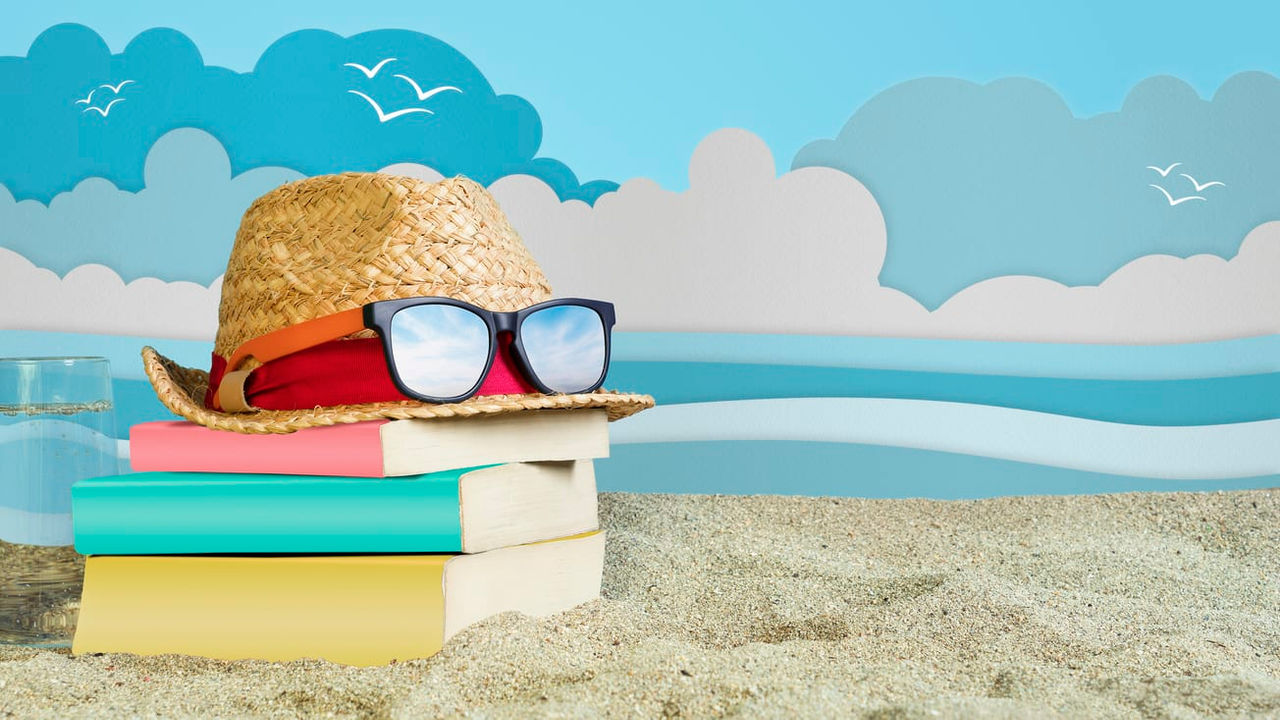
(1142, 605)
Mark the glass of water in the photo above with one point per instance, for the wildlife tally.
(57, 425)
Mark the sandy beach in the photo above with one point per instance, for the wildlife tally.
(1144, 605)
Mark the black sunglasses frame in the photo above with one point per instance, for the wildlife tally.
(378, 315)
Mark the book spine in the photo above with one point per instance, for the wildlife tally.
(193, 513)
(348, 449)
(358, 610)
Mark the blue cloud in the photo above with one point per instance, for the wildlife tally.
(977, 181)
(293, 110)
(179, 227)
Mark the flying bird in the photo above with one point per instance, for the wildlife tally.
(104, 111)
(1180, 200)
(88, 98)
(1164, 172)
(367, 72)
(433, 91)
(1200, 187)
(384, 117)
(115, 89)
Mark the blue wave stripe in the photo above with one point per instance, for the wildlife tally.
(73, 451)
(1201, 401)
(1165, 403)
(35, 528)
(855, 470)
(1205, 451)
(136, 403)
(1242, 356)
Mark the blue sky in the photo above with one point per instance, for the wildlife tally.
(629, 90)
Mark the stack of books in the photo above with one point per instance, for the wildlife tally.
(360, 543)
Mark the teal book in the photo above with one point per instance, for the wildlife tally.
(469, 511)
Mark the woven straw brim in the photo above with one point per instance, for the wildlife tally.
(182, 390)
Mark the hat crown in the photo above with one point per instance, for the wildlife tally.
(334, 242)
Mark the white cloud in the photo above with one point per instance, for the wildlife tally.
(415, 170)
(1153, 299)
(93, 299)
(743, 250)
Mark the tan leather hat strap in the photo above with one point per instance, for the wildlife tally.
(231, 392)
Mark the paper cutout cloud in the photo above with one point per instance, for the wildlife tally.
(180, 226)
(93, 299)
(295, 109)
(978, 181)
(743, 250)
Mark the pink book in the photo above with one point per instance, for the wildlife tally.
(377, 448)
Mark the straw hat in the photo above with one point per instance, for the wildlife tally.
(325, 244)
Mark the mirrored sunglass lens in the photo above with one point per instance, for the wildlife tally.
(439, 350)
(565, 347)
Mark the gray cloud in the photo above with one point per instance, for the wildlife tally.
(982, 180)
(745, 251)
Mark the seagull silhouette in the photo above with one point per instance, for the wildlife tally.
(433, 91)
(384, 117)
(1164, 172)
(367, 72)
(1180, 200)
(104, 111)
(1200, 187)
(88, 99)
(115, 88)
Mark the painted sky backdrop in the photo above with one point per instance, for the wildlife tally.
(916, 237)
(628, 90)
(970, 178)
(315, 102)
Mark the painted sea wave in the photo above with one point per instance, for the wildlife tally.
(1220, 358)
(754, 467)
(1194, 452)
(1180, 401)
(35, 528)
(41, 457)
(894, 417)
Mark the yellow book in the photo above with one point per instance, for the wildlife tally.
(352, 609)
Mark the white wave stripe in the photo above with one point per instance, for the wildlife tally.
(30, 528)
(1207, 452)
(44, 429)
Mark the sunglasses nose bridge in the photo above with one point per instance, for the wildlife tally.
(504, 322)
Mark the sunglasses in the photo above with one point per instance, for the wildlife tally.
(439, 349)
